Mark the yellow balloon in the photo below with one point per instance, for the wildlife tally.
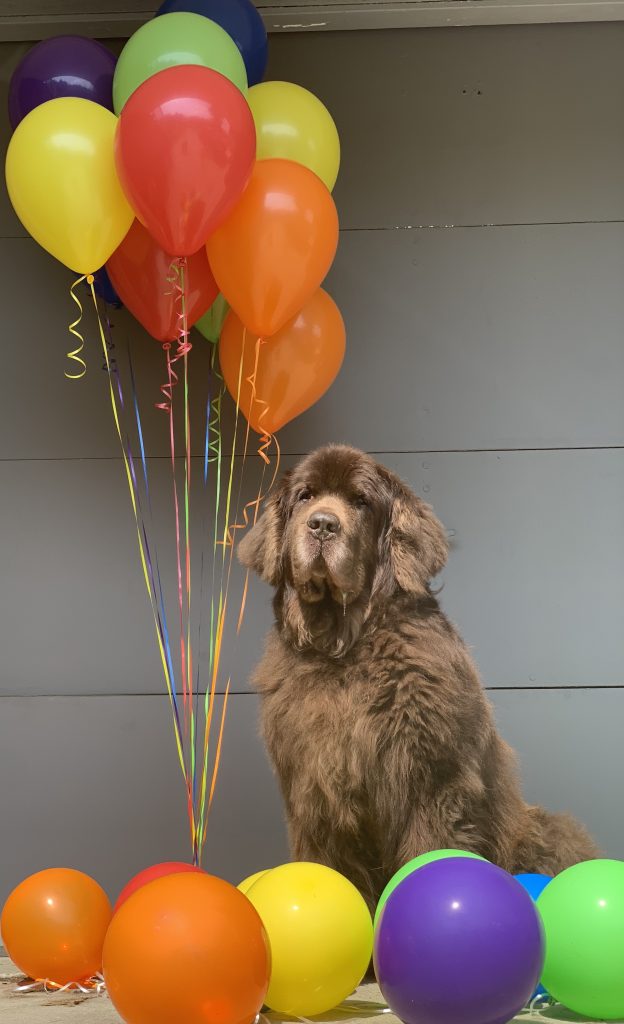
(61, 179)
(320, 933)
(292, 124)
(247, 883)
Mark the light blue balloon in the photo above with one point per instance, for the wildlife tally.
(535, 885)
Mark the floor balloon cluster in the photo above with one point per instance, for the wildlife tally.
(456, 940)
(177, 183)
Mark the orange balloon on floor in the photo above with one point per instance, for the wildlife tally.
(295, 367)
(53, 925)
(277, 245)
(187, 949)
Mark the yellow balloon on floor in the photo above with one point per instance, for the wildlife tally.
(292, 124)
(247, 883)
(320, 933)
(61, 179)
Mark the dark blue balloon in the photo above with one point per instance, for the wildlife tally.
(104, 288)
(240, 20)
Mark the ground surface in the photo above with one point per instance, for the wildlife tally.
(73, 1008)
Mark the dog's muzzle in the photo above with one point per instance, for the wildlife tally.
(323, 525)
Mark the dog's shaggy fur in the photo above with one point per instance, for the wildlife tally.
(372, 709)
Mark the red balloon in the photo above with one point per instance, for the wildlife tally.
(168, 867)
(185, 148)
(141, 271)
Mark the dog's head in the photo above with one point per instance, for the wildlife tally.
(339, 534)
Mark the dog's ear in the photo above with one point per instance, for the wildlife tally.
(260, 548)
(416, 542)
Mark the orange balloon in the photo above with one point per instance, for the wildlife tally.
(274, 250)
(53, 925)
(295, 367)
(187, 948)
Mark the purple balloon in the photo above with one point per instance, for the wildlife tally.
(459, 942)
(62, 66)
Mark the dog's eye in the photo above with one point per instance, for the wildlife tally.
(305, 494)
(361, 501)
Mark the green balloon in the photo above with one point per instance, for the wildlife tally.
(413, 865)
(583, 914)
(171, 40)
(210, 323)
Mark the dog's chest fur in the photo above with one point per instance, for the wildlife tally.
(341, 726)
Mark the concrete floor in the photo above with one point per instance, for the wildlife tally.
(73, 1008)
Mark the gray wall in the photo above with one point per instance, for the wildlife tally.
(480, 272)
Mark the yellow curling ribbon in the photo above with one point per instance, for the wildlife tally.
(74, 354)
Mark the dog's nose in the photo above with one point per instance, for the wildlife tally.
(324, 525)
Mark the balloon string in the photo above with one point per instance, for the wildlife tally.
(215, 454)
(212, 454)
(176, 510)
(142, 553)
(93, 986)
(183, 348)
(217, 762)
(266, 440)
(186, 346)
(157, 605)
(161, 599)
(75, 354)
(221, 612)
(228, 537)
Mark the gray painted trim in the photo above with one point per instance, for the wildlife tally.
(312, 17)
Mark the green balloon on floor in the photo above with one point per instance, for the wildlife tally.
(413, 865)
(583, 914)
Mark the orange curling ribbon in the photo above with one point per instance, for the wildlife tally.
(266, 440)
(75, 354)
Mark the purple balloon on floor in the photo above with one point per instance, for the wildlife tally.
(459, 942)
(61, 66)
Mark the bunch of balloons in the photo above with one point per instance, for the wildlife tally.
(459, 941)
(178, 156)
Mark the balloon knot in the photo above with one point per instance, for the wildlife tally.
(90, 279)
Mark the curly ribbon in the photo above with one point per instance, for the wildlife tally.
(75, 354)
(94, 986)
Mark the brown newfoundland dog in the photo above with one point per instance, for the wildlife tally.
(379, 729)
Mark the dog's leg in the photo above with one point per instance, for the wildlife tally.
(338, 851)
(549, 843)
